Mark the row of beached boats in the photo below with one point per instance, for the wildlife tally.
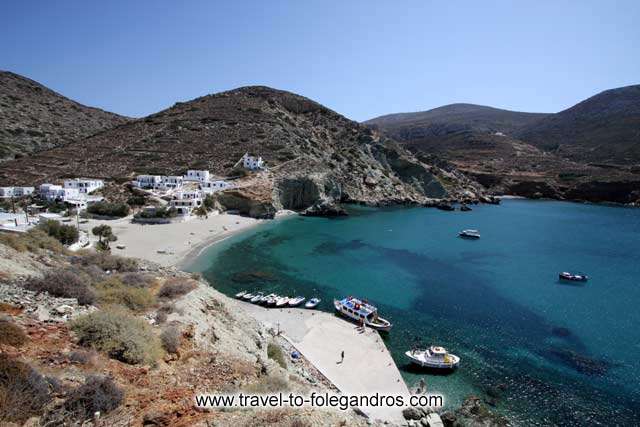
(278, 301)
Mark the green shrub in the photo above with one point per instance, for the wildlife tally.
(32, 241)
(268, 384)
(66, 284)
(113, 291)
(65, 234)
(274, 352)
(108, 209)
(137, 280)
(161, 212)
(119, 334)
(23, 391)
(11, 334)
(97, 394)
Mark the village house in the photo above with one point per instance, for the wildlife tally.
(53, 192)
(83, 185)
(197, 175)
(213, 186)
(147, 181)
(8, 192)
(251, 163)
(186, 201)
(171, 182)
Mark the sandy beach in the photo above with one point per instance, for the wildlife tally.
(171, 244)
(321, 337)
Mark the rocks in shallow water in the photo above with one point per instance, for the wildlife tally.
(465, 208)
(579, 362)
(561, 332)
(445, 206)
(491, 200)
(448, 419)
(411, 413)
(325, 209)
(474, 412)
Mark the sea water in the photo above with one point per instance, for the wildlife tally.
(537, 350)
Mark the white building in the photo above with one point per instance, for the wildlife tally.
(171, 182)
(186, 201)
(8, 192)
(213, 186)
(197, 175)
(53, 192)
(251, 163)
(83, 185)
(148, 181)
(43, 217)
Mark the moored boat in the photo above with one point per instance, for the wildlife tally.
(434, 357)
(282, 301)
(296, 301)
(362, 312)
(312, 303)
(257, 297)
(573, 277)
(271, 301)
(248, 296)
(469, 234)
(241, 294)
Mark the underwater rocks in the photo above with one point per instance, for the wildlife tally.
(561, 332)
(579, 362)
(325, 209)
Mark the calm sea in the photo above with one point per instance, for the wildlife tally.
(538, 350)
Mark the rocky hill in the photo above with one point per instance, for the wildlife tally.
(568, 155)
(34, 118)
(602, 129)
(314, 155)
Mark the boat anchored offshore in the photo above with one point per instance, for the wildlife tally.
(469, 234)
(573, 277)
(434, 357)
(362, 312)
(312, 303)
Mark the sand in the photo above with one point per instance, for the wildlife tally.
(321, 337)
(171, 244)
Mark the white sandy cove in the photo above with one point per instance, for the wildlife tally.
(175, 241)
(321, 337)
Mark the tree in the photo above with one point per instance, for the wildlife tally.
(209, 202)
(105, 235)
(201, 211)
(66, 234)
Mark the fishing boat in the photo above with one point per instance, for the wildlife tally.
(469, 234)
(312, 303)
(434, 357)
(248, 296)
(362, 312)
(296, 301)
(282, 301)
(257, 297)
(241, 294)
(573, 277)
(271, 301)
(264, 299)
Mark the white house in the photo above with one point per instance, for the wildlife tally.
(186, 201)
(8, 192)
(171, 182)
(52, 192)
(252, 163)
(213, 186)
(147, 181)
(83, 185)
(43, 217)
(197, 175)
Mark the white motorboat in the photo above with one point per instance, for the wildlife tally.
(248, 296)
(362, 312)
(282, 301)
(573, 277)
(312, 303)
(469, 234)
(265, 298)
(241, 294)
(293, 302)
(271, 301)
(257, 298)
(434, 357)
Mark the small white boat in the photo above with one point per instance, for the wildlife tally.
(282, 301)
(573, 277)
(293, 302)
(248, 296)
(265, 298)
(469, 234)
(362, 312)
(312, 303)
(241, 294)
(271, 301)
(434, 357)
(256, 298)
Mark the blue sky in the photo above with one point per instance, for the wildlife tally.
(360, 58)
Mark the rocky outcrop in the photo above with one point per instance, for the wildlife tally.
(246, 202)
(325, 209)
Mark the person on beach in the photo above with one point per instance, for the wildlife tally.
(342, 356)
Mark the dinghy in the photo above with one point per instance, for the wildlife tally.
(312, 303)
(296, 301)
(241, 294)
(282, 301)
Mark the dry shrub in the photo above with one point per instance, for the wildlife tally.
(175, 287)
(97, 394)
(83, 357)
(274, 352)
(138, 280)
(108, 262)
(11, 334)
(10, 309)
(23, 391)
(171, 339)
(268, 384)
(32, 241)
(163, 312)
(119, 334)
(66, 284)
(113, 291)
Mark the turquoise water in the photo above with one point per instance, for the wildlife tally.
(540, 351)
